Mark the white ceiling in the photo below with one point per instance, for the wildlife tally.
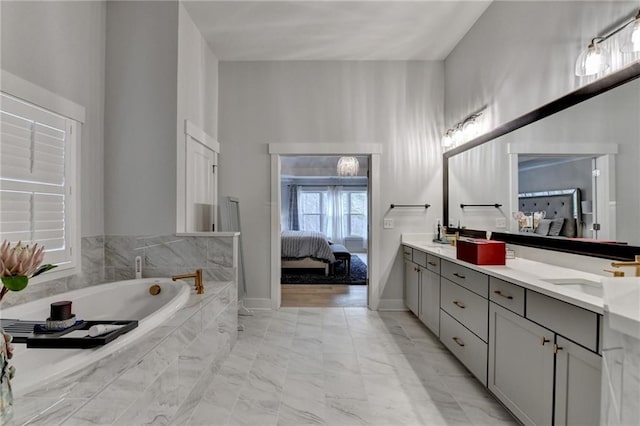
(334, 30)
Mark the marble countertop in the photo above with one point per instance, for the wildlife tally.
(622, 303)
(523, 272)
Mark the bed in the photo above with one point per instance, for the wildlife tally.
(562, 211)
(306, 250)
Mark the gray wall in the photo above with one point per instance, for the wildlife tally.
(564, 175)
(520, 55)
(60, 46)
(396, 104)
(140, 118)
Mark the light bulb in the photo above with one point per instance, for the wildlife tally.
(447, 140)
(457, 136)
(595, 59)
(632, 38)
(471, 128)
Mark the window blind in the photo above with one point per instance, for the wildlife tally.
(34, 189)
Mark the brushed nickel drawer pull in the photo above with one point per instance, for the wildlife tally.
(506, 296)
(556, 348)
(544, 340)
(433, 264)
(458, 341)
(459, 304)
(462, 277)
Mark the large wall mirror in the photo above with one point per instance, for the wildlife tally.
(564, 177)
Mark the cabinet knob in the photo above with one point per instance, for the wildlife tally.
(501, 294)
(544, 340)
(556, 348)
(458, 341)
(459, 304)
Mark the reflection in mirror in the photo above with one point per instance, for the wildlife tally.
(591, 149)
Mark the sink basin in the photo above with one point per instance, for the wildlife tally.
(585, 286)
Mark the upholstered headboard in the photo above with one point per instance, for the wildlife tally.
(563, 203)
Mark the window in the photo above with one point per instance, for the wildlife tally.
(354, 210)
(38, 158)
(312, 209)
(336, 211)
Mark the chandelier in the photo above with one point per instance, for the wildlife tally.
(348, 166)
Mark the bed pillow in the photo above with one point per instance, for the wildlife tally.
(543, 227)
(555, 227)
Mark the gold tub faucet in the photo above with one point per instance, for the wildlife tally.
(622, 264)
(197, 275)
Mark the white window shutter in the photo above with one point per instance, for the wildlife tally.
(33, 185)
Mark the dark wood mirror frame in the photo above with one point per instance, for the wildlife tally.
(581, 247)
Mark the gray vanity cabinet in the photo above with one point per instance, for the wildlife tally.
(521, 365)
(412, 273)
(430, 300)
(578, 384)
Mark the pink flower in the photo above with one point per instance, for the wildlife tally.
(20, 260)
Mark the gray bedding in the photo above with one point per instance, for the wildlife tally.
(301, 244)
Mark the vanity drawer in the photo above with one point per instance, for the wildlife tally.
(465, 345)
(433, 263)
(420, 258)
(407, 253)
(507, 295)
(467, 307)
(570, 321)
(468, 278)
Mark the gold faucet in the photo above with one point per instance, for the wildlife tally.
(636, 264)
(198, 280)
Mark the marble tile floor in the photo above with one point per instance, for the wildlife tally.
(343, 366)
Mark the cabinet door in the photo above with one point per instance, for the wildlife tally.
(521, 366)
(578, 384)
(412, 287)
(430, 300)
(201, 187)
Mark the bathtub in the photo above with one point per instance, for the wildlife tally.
(122, 300)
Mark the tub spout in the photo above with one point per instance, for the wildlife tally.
(197, 275)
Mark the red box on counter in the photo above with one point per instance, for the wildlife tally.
(481, 252)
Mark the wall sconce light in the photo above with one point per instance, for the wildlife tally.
(596, 59)
(463, 131)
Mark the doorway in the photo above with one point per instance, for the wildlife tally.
(324, 213)
(363, 240)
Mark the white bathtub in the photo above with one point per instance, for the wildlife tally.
(122, 300)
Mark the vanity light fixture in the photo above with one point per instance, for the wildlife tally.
(596, 58)
(463, 131)
(348, 166)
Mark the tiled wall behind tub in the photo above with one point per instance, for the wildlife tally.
(163, 256)
(92, 273)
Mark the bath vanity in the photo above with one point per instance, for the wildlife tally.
(530, 332)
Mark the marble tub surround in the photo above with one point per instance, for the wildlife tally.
(523, 272)
(163, 376)
(92, 261)
(342, 366)
(167, 255)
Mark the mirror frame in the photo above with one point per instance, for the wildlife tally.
(581, 247)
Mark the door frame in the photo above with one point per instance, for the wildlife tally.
(604, 152)
(374, 151)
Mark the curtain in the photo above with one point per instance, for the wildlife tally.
(335, 226)
(294, 214)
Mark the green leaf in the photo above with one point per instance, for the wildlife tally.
(42, 269)
(16, 283)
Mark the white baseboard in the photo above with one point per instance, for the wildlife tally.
(392, 305)
(255, 303)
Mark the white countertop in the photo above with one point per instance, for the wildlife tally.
(622, 303)
(525, 273)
